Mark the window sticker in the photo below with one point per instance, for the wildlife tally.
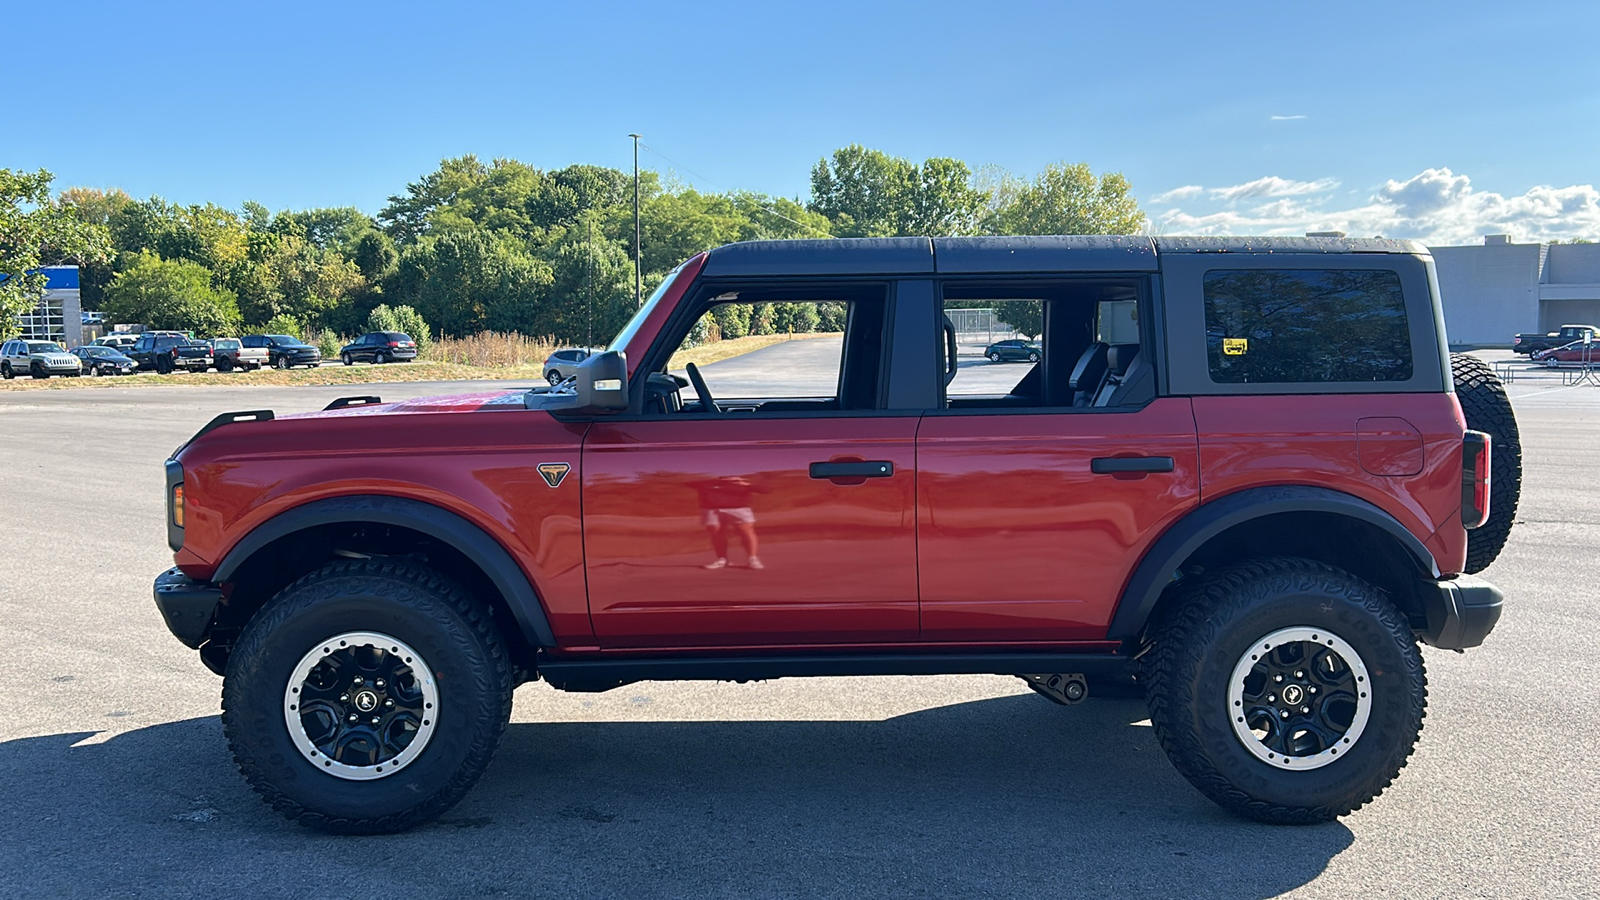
(1235, 346)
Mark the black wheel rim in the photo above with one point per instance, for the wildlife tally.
(1299, 698)
(361, 705)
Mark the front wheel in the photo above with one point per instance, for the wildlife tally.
(1286, 690)
(994, 357)
(367, 697)
(37, 371)
(345, 358)
(553, 376)
(281, 362)
(92, 371)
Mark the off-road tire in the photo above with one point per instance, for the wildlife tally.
(403, 600)
(1483, 400)
(1209, 627)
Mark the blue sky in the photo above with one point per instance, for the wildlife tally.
(1431, 120)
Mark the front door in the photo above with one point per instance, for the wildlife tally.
(731, 531)
(774, 504)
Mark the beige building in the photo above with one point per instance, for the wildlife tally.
(1498, 289)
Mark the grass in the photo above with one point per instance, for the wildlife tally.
(483, 357)
(334, 374)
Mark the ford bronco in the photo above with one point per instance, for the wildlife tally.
(1245, 478)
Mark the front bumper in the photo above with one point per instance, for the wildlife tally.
(188, 606)
(1461, 612)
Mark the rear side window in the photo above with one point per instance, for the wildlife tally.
(1306, 326)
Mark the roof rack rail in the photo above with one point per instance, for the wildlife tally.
(342, 402)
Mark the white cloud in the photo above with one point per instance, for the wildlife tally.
(1273, 186)
(1178, 193)
(1436, 206)
(1285, 118)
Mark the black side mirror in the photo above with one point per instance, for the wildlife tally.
(599, 384)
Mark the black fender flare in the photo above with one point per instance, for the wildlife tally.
(467, 538)
(1205, 522)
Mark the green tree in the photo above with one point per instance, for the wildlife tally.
(171, 294)
(36, 231)
(471, 281)
(1066, 199)
(403, 319)
(286, 274)
(1024, 316)
(867, 193)
(591, 292)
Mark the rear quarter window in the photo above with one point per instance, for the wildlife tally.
(1306, 326)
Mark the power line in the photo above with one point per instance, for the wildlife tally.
(683, 168)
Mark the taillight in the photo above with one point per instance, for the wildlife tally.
(177, 505)
(394, 343)
(1474, 479)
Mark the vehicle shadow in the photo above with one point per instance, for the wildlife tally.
(1002, 797)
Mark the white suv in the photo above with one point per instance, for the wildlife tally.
(41, 359)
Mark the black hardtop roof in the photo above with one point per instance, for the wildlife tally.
(1036, 253)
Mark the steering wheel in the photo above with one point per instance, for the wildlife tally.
(700, 389)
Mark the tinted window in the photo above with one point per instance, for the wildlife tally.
(1306, 326)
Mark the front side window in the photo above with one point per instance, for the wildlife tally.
(1306, 326)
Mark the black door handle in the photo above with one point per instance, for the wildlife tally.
(880, 468)
(1113, 465)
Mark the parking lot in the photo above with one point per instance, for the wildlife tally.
(115, 778)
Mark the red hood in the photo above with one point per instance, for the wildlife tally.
(489, 401)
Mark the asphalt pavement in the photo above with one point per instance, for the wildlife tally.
(115, 779)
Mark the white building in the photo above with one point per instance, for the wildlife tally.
(1500, 289)
(58, 317)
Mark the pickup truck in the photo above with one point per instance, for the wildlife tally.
(1532, 343)
(230, 354)
(164, 351)
(1211, 488)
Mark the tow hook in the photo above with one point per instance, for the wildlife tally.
(1067, 690)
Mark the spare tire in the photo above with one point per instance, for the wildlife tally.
(1483, 400)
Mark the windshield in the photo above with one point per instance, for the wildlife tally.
(43, 347)
(283, 339)
(625, 336)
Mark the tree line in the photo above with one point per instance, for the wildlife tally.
(479, 246)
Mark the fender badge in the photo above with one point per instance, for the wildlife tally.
(553, 473)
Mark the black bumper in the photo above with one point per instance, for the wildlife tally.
(1461, 612)
(187, 605)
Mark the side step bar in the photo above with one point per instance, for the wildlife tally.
(604, 674)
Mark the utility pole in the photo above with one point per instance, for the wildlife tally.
(588, 284)
(638, 272)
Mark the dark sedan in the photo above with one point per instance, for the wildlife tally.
(379, 347)
(1015, 350)
(103, 360)
(284, 351)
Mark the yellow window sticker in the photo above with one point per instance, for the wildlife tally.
(1235, 346)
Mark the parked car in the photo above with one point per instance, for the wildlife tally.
(97, 360)
(1575, 352)
(1014, 350)
(1533, 342)
(121, 341)
(379, 347)
(284, 351)
(372, 612)
(167, 351)
(41, 359)
(562, 364)
(92, 318)
(231, 353)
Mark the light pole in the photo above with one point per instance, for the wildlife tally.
(638, 273)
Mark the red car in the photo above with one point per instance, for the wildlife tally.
(1575, 352)
(1252, 507)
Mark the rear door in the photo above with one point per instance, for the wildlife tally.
(1035, 505)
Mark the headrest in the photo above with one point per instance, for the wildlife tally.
(1120, 357)
(1091, 367)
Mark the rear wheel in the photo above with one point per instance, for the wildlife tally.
(380, 357)
(225, 364)
(5, 371)
(163, 365)
(1286, 690)
(367, 697)
(1483, 400)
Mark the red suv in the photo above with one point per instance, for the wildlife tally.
(1244, 477)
